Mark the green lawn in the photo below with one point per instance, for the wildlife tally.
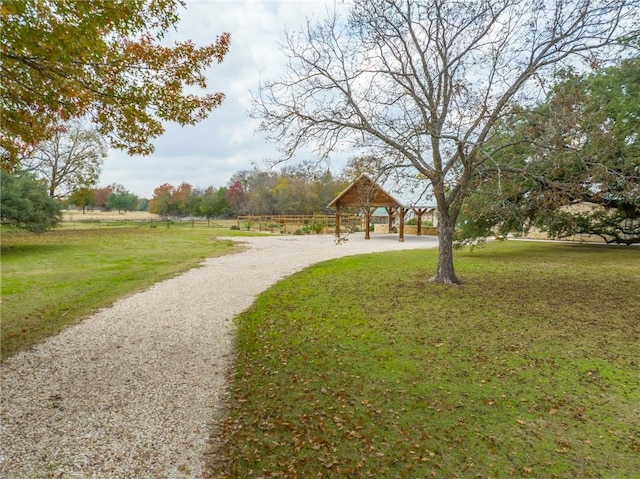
(52, 280)
(359, 368)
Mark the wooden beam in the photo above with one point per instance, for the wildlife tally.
(364, 192)
(419, 212)
(402, 211)
(367, 222)
(390, 211)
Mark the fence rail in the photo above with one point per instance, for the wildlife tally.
(292, 224)
(285, 224)
(147, 222)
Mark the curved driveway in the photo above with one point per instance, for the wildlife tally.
(131, 391)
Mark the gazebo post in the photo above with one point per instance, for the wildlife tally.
(338, 214)
(367, 223)
(402, 211)
(390, 212)
(419, 212)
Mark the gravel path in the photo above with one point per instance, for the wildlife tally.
(131, 391)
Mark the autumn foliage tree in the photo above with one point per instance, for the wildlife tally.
(237, 192)
(185, 200)
(162, 201)
(299, 190)
(101, 195)
(107, 60)
(83, 198)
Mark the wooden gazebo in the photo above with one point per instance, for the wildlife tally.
(365, 194)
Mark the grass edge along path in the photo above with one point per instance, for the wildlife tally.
(359, 367)
(53, 280)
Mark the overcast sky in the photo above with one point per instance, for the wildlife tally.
(208, 153)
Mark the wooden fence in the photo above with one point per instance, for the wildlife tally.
(298, 224)
(81, 224)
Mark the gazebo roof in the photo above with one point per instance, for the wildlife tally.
(364, 192)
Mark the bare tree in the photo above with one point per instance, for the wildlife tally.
(70, 160)
(423, 82)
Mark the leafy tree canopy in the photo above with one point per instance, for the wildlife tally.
(570, 165)
(299, 190)
(83, 197)
(122, 201)
(25, 203)
(105, 59)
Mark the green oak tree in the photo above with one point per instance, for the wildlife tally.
(83, 198)
(25, 203)
(122, 201)
(213, 202)
(571, 165)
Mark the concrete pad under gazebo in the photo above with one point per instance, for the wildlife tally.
(365, 194)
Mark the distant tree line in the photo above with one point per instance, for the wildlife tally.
(113, 197)
(299, 190)
(187, 200)
(31, 199)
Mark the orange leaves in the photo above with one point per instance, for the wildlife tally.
(170, 200)
(221, 47)
(66, 59)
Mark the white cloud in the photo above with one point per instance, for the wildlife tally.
(208, 153)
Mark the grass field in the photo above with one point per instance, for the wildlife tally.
(90, 215)
(76, 220)
(52, 280)
(360, 368)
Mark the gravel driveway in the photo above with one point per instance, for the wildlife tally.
(131, 391)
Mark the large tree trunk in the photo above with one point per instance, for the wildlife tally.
(445, 273)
